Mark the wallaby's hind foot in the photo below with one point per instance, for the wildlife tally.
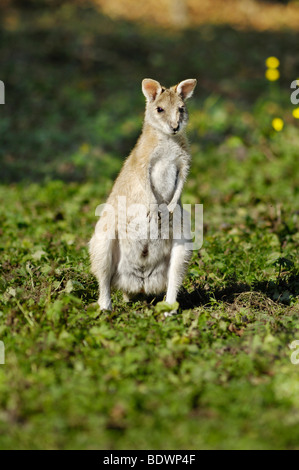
(104, 305)
(170, 314)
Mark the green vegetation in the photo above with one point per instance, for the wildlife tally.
(217, 375)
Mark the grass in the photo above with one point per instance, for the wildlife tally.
(216, 376)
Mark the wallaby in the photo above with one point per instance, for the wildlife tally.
(149, 185)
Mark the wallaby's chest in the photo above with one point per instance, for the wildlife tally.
(164, 171)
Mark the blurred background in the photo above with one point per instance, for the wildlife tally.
(73, 69)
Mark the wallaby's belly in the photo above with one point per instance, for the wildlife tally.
(164, 176)
(142, 266)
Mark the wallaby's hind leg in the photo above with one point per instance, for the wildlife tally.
(181, 253)
(101, 265)
(105, 294)
(180, 257)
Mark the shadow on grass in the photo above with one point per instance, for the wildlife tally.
(73, 78)
(280, 291)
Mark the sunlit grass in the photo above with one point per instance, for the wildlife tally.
(217, 375)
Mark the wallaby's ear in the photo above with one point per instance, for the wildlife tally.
(186, 88)
(151, 89)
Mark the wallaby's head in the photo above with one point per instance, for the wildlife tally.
(165, 107)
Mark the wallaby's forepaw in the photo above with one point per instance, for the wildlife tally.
(154, 214)
(171, 207)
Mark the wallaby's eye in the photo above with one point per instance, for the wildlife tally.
(181, 109)
(160, 110)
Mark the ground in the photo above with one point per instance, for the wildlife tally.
(219, 374)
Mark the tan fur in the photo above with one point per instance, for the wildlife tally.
(154, 173)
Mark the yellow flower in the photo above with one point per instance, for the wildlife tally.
(272, 75)
(277, 124)
(272, 62)
(84, 148)
(296, 113)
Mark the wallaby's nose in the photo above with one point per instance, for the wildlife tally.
(175, 129)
